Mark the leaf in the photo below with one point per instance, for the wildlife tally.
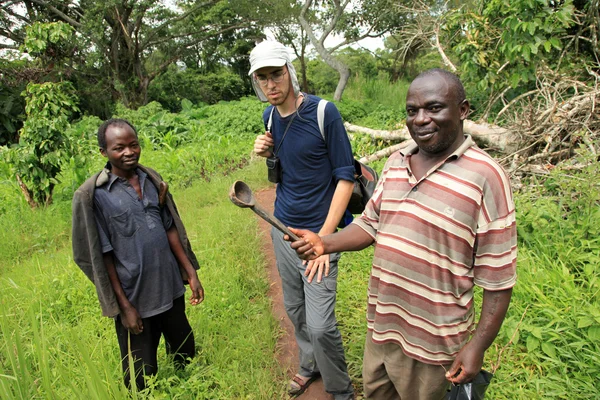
(534, 48)
(547, 46)
(515, 78)
(594, 333)
(549, 349)
(186, 105)
(584, 322)
(536, 331)
(527, 53)
(532, 343)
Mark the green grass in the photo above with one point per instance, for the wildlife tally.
(55, 344)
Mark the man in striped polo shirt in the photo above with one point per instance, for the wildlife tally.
(443, 220)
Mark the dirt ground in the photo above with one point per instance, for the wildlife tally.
(287, 351)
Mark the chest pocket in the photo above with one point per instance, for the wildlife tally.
(124, 224)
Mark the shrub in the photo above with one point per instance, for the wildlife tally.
(175, 85)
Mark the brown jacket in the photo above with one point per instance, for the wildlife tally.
(87, 252)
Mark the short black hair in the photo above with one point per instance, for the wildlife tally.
(460, 94)
(112, 122)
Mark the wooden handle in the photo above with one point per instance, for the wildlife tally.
(273, 221)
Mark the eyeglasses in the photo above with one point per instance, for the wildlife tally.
(276, 77)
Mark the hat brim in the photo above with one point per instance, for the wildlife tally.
(270, 62)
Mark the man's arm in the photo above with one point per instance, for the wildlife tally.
(183, 260)
(469, 360)
(130, 318)
(311, 245)
(339, 203)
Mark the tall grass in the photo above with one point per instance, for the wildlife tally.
(380, 91)
(54, 343)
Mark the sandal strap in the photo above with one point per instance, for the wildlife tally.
(300, 381)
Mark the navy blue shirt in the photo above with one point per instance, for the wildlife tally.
(134, 230)
(311, 168)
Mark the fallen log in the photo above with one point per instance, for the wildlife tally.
(383, 153)
(496, 136)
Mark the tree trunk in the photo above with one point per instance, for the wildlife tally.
(303, 72)
(498, 137)
(26, 193)
(331, 60)
(344, 72)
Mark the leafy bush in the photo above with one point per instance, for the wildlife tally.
(36, 160)
(554, 319)
(11, 113)
(175, 85)
(352, 110)
(321, 77)
(83, 156)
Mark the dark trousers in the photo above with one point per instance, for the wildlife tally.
(179, 341)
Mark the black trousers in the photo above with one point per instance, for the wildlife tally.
(179, 341)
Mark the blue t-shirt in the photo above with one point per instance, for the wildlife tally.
(311, 168)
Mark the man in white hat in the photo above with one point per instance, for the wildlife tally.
(314, 172)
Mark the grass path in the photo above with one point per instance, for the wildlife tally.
(54, 343)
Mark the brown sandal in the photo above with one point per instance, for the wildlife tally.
(298, 386)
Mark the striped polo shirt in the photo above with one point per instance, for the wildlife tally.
(435, 239)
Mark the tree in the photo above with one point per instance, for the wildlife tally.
(501, 45)
(36, 160)
(353, 20)
(130, 42)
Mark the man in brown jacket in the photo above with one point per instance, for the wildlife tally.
(130, 242)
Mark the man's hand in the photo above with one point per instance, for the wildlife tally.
(263, 144)
(317, 266)
(131, 320)
(309, 247)
(197, 290)
(466, 365)
(469, 360)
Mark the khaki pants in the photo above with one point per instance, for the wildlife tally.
(389, 374)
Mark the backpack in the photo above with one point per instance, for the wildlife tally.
(365, 176)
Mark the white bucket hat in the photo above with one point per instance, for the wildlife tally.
(270, 53)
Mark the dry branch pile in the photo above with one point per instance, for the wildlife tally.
(552, 121)
(540, 128)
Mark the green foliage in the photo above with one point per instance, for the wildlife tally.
(352, 110)
(83, 157)
(556, 347)
(198, 142)
(503, 42)
(37, 158)
(321, 77)
(11, 113)
(50, 41)
(360, 61)
(570, 202)
(174, 85)
(54, 344)
(384, 100)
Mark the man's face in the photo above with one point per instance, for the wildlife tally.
(434, 115)
(122, 149)
(276, 93)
